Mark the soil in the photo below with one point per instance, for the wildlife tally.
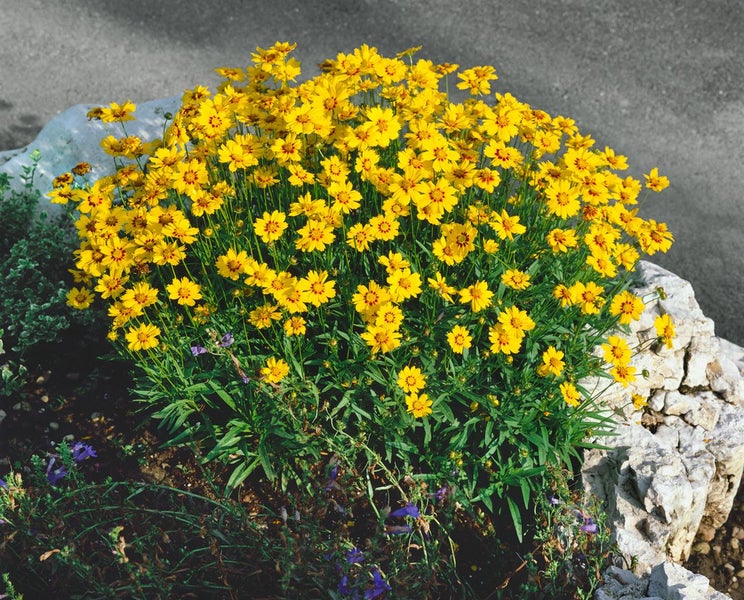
(92, 404)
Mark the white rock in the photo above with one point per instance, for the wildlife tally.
(71, 138)
(673, 582)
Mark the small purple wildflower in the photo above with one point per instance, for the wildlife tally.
(197, 350)
(409, 510)
(3, 484)
(589, 525)
(345, 589)
(82, 451)
(379, 586)
(54, 475)
(441, 493)
(554, 500)
(354, 556)
(227, 340)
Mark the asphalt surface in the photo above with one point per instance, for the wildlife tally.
(661, 82)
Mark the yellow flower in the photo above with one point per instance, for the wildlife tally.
(315, 235)
(616, 351)
(404, 284)
(623, 374)
(262, 316)
(115, 112)
(233, 264)
(440, 285)
(295, 326)
(381, 339)
(560, 240)
(570, 394)
(185, 291)
(628, 306)
(478, 295)
(665, 330)
(140, 296)
(516, 319)
(270, 226)
(459, 339)
(418, 405)
(411, 379)
(359, 236)
(504, 340)
(142, 337)
(515, 279)
(368, 299)
(656, 182)
(639, 401)
(80, 298)
(552, 362)
(275, 370)
(315, 288)
(506, 226)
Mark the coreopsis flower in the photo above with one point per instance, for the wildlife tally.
(439, 284)
(477, 80)
(411, 379)
(389, 315)
(393, 262)
(627, 306)
(232, 264)
(270, 226)
(404, 284)
(506, 226)
(141, 295)
(553, 362)
(142, 337)
(504, 340)
(570, 394)
(623, 374)
(656, 182)
(459, 339)
(262, 316)
(316, 289)
(80, 298)
(588, 296)
(117, 113)
(295, 326)
(368, 299)
(381, 339)
(477, 295)
(419, 405)
(314, 236)
(184, 291)
(560, 240)
(616, 351)
(516, 319)
(360, 236)
(665, 330)
(275, 370)
(515, 279)
(563, 199)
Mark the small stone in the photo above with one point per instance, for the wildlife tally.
(45, 398)
(734, 544)
(53, 425)
(740, 573)
(96, 416)
(69, 437)
(729, 567)
(716, 550)
(738, 533)
(701, 548)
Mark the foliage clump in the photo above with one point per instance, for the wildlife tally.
(357, 265)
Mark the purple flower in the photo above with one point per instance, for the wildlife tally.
(589, 525)
(409, 510)
(226, 340)
(354, 556)
(82, 451)
(379, 586)
(441, 493)
(3, 484)
(345, 589)
(54, 475)
(554, 500)
(332, 476)
(197, 350)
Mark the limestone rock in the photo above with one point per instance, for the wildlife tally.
(71, 138)
(671, 472)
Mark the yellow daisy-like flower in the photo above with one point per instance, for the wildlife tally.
(232, 264)
(419, 405)
(553, 362)
(295, 326)
(381, 339)
(570, 394)
(315, 288)
(315, 235)
(515, 279)
(623, 374)
(270, 226)
(142, 337)
(628, 306)
(404, 284)
(616, 351)
(478, 295)
(439, 284)
(80, 298)
(411, 379)
(275, 370)
(184, 291)
(656, 182)
(665, 330)
(459, 339)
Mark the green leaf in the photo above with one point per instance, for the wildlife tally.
(516, 516)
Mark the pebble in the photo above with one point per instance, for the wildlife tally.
(729, 567)
(53, 425)
(737, 532)
(740, 573)
(716, 550)
(734, 544)
(701, 548)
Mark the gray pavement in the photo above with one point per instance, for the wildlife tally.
(661, 82)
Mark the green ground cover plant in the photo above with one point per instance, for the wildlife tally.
(357, 279)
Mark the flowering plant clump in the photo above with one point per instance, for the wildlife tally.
(298, 267)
